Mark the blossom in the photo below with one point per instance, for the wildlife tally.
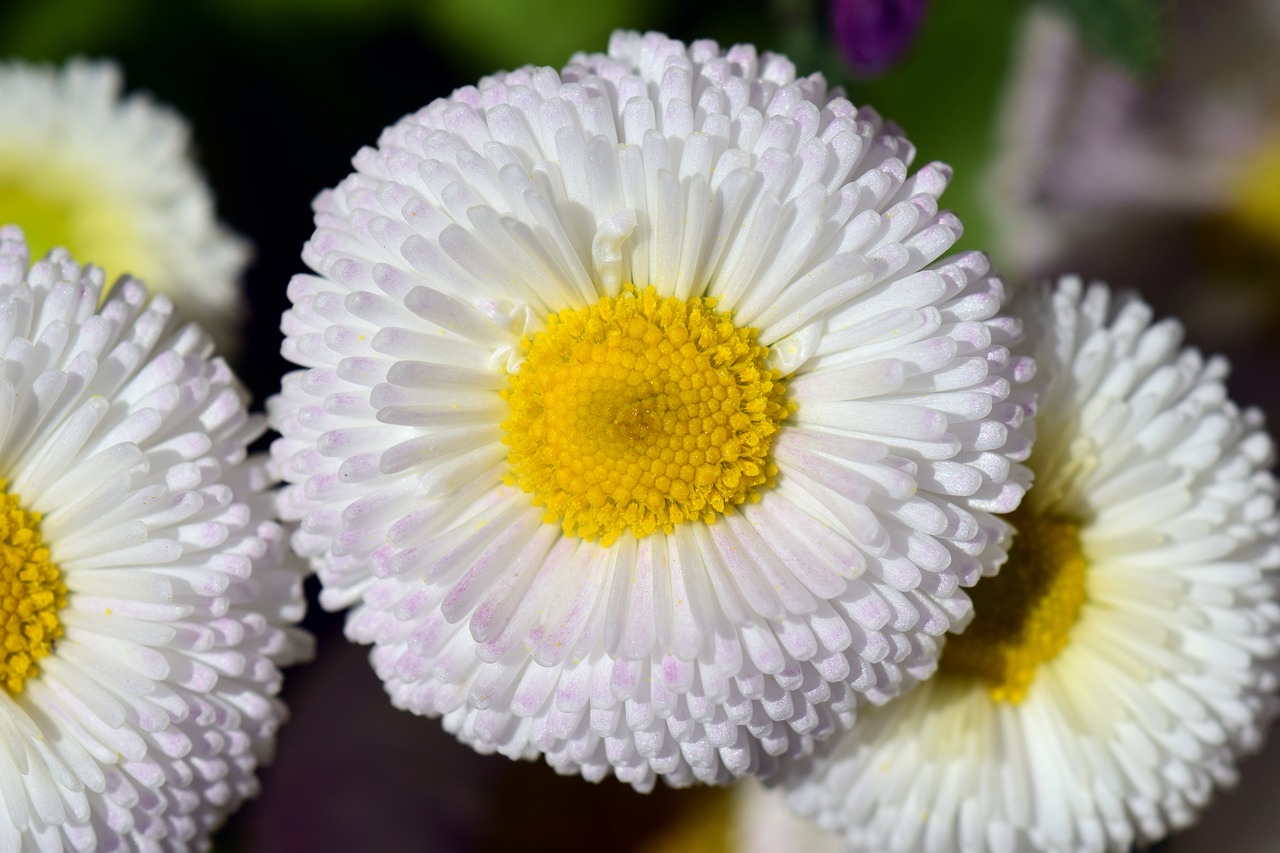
(639, 420)
(149, 603)
(1124, 656)
(112, 178)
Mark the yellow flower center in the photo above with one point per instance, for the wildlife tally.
(1023, 616)
(1255, 201)
(33, 594)
(639, 412)
(59, 205)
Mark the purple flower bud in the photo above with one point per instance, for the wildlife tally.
(872, 34)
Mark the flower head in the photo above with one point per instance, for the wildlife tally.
(148, 606)
(112, 179)
(638, 421)
(1124, 656)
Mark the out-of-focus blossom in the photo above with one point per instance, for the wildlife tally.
(640, 421)
(112, 178)
(872, 35)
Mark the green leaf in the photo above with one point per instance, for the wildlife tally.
(1131, 32)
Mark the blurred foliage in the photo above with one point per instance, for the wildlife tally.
(52, 29)
(361, 14)
(485, 35)
(1130, 32)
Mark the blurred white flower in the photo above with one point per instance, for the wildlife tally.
(111, 178)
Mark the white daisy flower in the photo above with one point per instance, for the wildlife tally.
(1123, 658)
(639, 422)
(148, 606)
(112, 179)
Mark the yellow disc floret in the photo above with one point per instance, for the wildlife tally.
(641, 412)
(1023, 616)
(33, 594)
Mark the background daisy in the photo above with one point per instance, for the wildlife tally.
(1124, 657)
(149, 600)
(638, 422)
(112, 178)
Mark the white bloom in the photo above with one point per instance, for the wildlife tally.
(112, 179)
(1152, 526)
(522, 414)
(149, 605)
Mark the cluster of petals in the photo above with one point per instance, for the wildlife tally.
(144, 725)
(705, 651)
(1169, 674)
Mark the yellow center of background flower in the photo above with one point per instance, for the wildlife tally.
(639, 413)
(1255, 199)
(65, 207)
(1022, 616)
(32, 594)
